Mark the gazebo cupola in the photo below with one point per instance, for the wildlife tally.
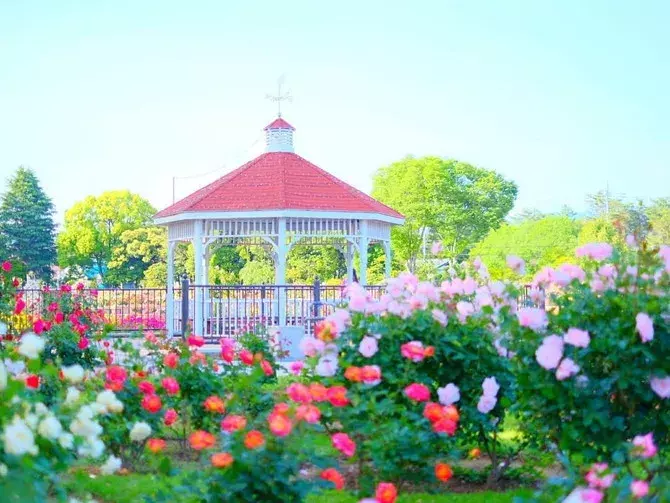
(279, 136)
(277, 200)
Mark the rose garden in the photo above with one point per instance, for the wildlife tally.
(431, 392)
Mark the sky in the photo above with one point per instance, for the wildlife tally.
(564, 97)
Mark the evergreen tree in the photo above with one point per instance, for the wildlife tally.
(27, 229)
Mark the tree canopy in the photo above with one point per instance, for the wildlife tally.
(549, 241)
(450, 201)
(93, 230)
(27, 229)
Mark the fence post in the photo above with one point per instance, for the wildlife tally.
(263, 304)
(317, 297)
(184, 304)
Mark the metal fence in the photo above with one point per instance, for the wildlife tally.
(223, 310)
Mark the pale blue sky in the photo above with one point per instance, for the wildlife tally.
(560, 96)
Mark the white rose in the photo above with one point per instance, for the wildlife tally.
(72, 395)
(32, 420)
(50, 428)
(19, 438)
(66, 440)
(112, 465)
(3, 376)
(73, 373)
(41, 409)
(140, 432)
(31, 346)
(108, 400)
(327, 367)
(92, 448)
(3, 470)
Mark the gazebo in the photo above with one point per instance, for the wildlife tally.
(277, 200)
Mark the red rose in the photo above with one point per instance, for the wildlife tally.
(33, 381)
(152, 403)
(6, 266)
(146, 388)
(170, 417)
(247, 357)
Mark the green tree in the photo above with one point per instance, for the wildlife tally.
(27, 229)
(549, 241)
(225, 265)
(138, 250)
(659, 220)
(452, 201)
(93, 230)
(306, 263)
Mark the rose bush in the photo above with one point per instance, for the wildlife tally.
(404, 373)
(595, 371)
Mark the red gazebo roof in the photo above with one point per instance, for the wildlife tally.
(279, 181)
(278, 123)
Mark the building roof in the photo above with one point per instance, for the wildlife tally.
(279, 123)
(278, 181)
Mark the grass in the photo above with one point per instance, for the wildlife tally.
(133, 488)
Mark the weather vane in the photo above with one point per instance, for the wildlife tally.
(279, 97)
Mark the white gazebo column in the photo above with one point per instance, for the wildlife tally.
(280, 270)
(387, 259)
(169, 298)
(363, 252)
(349, 258)
(198, 300)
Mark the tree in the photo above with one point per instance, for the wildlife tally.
(138, 250)
(453, 201)
(659, 220)
(93, 230)
(27, 229)
(306, 263)
(549, 241)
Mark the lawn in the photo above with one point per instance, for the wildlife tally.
(133, 488)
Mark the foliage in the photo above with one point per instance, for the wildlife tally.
(659, 219)
(93, 230)
(138, 250)
(547, 241)
(27, 229)
(613, 345)
(257, 272)
(458, 202)
(641, 474)
(306, 263)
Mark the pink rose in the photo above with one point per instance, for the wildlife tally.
(417, 392)
(550, 352)
(296, 367)
(436, 248)
(486, 403)
(661, 386)
(440, 317)
(566, 369)
(592, 496)
(490, 386)
(368, 346)
(595, 251)
(469, 286)
(645, 445)
(577, 337)
(516, 264)
(644, 326)
(358, 302)
(533, 318)
(464, 309)
(639, 488)
(311, 346)
(573, 271)
(449, 394)
(343, 443)
(413, 350)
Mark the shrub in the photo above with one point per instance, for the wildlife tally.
(397, 357)
(595, 371)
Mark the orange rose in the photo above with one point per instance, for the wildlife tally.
(353, 374)
(152, 403)
(337, 396)
(155, 445)
(215, 404)
(451, 412)
(433, 412)
(475, 453)
(200, 440)
(443, 472)
(222, 460)
(280, 425)
(254, 439)
(429, 351)
(233, 423)
(319, 392)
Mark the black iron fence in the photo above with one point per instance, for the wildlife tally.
(217, 310)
